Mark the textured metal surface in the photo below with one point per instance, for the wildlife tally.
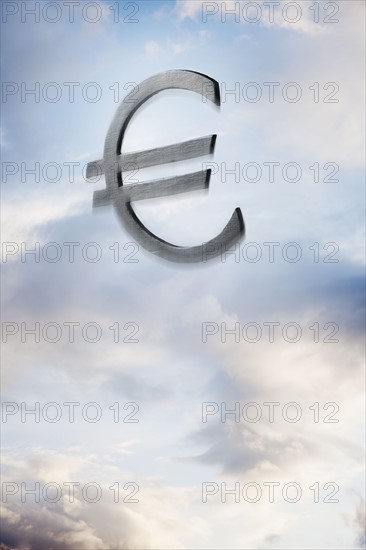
(113, 164)
(158, 188)
(161, 155)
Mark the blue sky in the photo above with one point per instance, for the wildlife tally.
(170, 372)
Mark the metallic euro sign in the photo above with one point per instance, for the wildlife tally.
(114, 164)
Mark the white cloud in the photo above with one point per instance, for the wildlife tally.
(188, 9)
(3, 140)
(293, 18)
(152, 48)
(170, 372)
(25, 213)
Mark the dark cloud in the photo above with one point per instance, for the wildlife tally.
(359, 522)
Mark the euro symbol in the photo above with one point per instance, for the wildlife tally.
(114, 163)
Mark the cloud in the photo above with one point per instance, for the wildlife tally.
(357, 521)
(291, 18)
(152, 48)
(170, 372)
(360, 525)
(3, 140)
(150, 523)
(25, 219)
(188, 9)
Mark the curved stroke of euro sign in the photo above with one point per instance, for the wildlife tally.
(114, 163)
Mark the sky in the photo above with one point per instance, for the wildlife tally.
(217, 405)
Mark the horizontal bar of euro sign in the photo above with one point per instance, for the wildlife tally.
(175, 185)
(162, 155)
